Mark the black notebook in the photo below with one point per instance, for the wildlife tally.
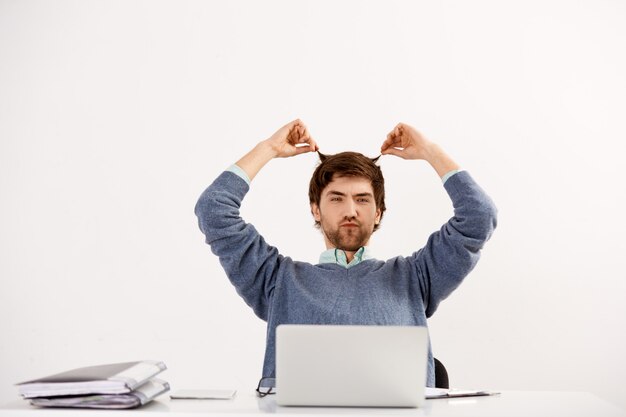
(115, 378)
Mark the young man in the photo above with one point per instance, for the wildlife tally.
(347, 286)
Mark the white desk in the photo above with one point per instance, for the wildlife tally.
(246, 404)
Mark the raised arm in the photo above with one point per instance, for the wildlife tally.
(249, 262)
(453, 251)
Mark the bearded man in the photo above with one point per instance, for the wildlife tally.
(347, 199)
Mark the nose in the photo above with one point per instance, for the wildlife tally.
(351, 209)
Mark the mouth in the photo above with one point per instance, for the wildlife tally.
(349, 225)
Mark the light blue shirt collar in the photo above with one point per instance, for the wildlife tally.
(338, 256)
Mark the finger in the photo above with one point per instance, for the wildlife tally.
(290, 137)
(299, 134)
(389, 140)
(312, 144)
(393, 151)
(303, 136)
(304, 149)
(292, 124)
(394, 138)
(307, 134)
(294, 133)
(392, 141)
(295, 125)
(302, 131)
(305, 139)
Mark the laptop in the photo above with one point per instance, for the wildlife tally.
(351, 366)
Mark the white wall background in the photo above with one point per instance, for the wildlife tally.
(115, 115)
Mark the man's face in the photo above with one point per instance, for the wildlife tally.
(347, 213)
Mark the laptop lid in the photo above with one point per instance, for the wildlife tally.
(341, 365)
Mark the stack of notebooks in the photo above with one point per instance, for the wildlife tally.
(117, 385)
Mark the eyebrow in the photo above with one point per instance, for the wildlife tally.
(333, 192)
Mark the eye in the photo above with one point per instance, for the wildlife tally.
(335, 198)
(363, 200)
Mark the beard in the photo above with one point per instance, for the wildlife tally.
(347, 238)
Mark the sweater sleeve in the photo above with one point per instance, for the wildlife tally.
(453, 251)
(250, 263)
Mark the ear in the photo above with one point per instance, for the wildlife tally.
(315, 211)
(378, 213)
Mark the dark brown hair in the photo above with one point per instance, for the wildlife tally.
(347, 164)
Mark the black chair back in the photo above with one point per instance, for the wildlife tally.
(441, 375)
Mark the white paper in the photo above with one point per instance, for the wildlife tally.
(431, 393)
(203, 394)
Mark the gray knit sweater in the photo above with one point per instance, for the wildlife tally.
(399, 291)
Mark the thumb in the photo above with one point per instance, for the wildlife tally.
(304, 149)
(393, 151)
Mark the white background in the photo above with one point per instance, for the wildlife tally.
(115, 115)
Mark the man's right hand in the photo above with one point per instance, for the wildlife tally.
(292, 139)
